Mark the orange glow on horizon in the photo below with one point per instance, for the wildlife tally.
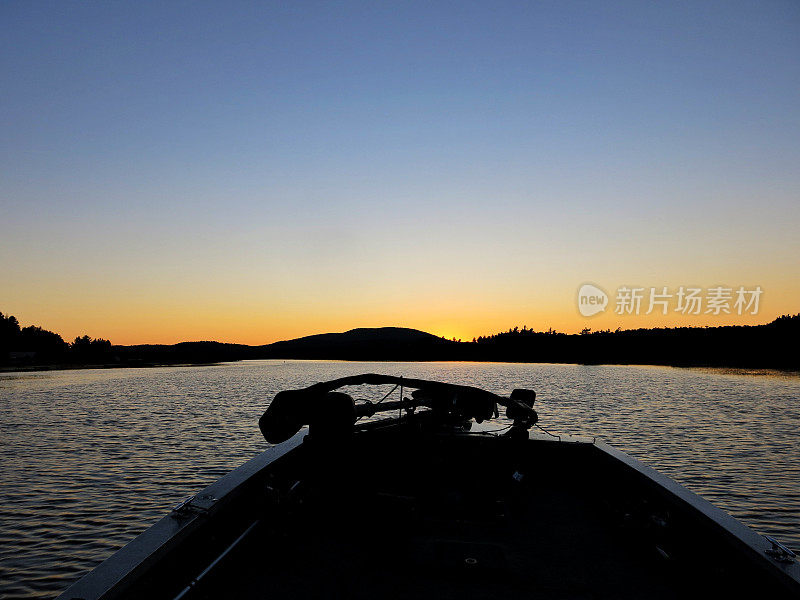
(462, 302)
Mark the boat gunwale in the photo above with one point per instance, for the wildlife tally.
(736, 532)
(112, 576)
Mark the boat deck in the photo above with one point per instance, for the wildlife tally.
(558, 549)
(467, 520)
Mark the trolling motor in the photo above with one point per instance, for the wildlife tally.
(520, 411)
(332, 414)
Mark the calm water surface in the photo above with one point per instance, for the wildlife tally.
(90, 458)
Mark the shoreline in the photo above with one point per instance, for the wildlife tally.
(75, 367)
(735, 369)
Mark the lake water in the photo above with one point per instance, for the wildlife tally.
(90, 458)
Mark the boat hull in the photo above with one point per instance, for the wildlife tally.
(398, 510)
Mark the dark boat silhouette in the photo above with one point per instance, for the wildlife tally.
(433, 503)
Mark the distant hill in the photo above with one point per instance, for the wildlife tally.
(384, 343)
(377, 343)
(183, 352)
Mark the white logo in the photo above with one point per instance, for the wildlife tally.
(591, 300)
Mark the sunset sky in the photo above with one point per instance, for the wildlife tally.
(248, 172)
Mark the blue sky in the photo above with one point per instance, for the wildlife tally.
(460, 147)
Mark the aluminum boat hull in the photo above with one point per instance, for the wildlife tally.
(404, 510)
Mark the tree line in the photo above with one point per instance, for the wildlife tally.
(33, 344)
(773, 345)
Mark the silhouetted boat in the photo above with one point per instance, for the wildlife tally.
(432, 504)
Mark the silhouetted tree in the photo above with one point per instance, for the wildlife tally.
(46, 344)
(42, 345)
(9, 333)
(87, 349)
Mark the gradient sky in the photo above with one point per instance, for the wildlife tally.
(249, 172)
